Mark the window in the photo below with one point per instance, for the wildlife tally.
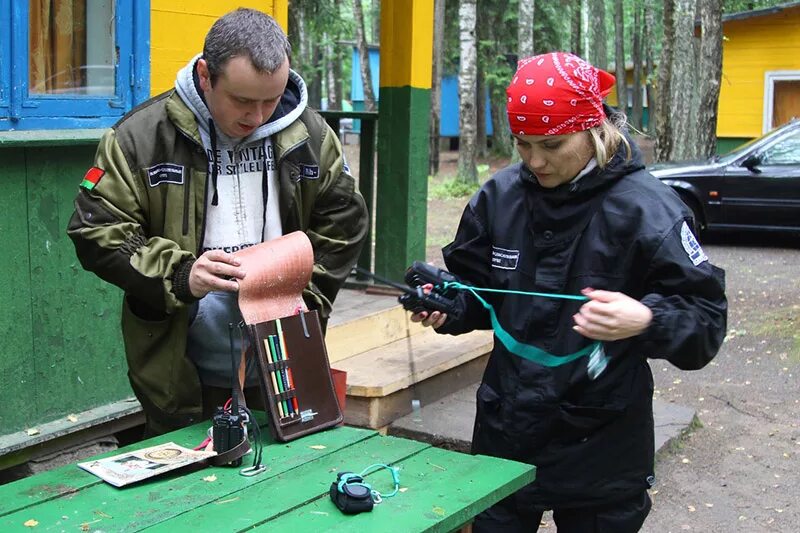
(784, 152)
(71, 63)
(781, 97)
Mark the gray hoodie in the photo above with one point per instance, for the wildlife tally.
(241, 210)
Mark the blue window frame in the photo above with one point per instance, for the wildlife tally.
(126, 72)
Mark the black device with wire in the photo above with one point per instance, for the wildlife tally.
(228, 425)
(414, 298)
(351, 494)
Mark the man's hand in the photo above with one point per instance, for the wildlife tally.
(215, 270)
(611, 316)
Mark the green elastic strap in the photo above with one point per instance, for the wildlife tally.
(526, 351)
(377, 497)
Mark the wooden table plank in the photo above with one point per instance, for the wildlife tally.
(69, 479)
(444, 491)
(290, 490)
(102, 506)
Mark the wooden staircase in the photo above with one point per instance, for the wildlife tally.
(391, 361)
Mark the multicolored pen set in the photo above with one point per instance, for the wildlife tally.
(281, 373)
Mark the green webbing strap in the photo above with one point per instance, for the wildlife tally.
(527, 351)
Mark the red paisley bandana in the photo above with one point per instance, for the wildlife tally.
(556, 93)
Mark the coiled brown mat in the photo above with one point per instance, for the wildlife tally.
(276, 272)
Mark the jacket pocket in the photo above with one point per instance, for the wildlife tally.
(154, 350)
(488, 432)
(579, 422)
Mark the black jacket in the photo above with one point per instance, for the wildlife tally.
(617, 229)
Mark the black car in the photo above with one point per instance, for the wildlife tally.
(756, 186)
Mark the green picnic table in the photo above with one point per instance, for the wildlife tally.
(440, 490)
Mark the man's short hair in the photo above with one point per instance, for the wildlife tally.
(249, 33)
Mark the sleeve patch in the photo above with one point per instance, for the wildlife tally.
(92, 178)
(692, 247)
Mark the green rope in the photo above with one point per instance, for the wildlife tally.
(597, 358)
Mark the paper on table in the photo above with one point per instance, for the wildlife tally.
(277, 271)
(127, 468)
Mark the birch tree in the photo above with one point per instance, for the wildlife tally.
(525, 28)
(598, 52)
(710, 64)
(467, 170)
(684, 79)
(576, 35)
(636, 55)
(363, 56)
(436, 83)
(619, 55)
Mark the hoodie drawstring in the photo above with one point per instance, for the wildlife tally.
(212, 131)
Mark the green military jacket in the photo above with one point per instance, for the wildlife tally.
(145, 238)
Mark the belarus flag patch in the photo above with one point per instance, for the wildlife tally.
(92, 178)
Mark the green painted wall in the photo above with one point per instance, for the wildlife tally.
(726, 144)
(401, 221)
(61, 349)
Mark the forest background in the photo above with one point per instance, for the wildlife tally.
(673, 47)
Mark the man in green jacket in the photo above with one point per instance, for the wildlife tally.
(230, 158)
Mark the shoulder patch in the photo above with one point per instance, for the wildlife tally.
(165, 173)
(309, 172)
(92, 177)
(692, 247)
(504, 258)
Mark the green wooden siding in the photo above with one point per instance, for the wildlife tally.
(62, 351)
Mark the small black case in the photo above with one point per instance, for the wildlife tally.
(354, 496)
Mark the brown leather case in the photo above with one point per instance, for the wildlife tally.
(305, 367)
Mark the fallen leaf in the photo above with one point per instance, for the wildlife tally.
(692, 508)
(317, 447)
(709, 505)
(32, 431)
(31, 523)
(685, 461)
(403, 489)
(72, 418)
(677, 382)
(439, 511)
(210, 478)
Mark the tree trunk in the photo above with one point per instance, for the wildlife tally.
(436, 84)
(598, 54)
(480, 114)
(684, 79)
(577, 27)
(363, 57)
(313, 77)
(711, 67)
(663, 114)
(636, 56)
(619, 56)
(333, 83)
(376, 21)
(525, 29)
(467, 172)
(650, 70)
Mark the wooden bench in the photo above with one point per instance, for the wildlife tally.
(440, 490)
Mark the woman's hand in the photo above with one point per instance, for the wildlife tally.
(434, 319)
(611, 316)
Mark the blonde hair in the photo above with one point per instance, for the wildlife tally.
(607, 139)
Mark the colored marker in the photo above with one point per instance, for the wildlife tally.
(274, 381)
(288, 368)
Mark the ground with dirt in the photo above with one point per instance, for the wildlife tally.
(738, 469)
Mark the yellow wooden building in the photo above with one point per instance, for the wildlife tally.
(170, 50)
(760, 72)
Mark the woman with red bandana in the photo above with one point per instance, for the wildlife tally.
(578, 216)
